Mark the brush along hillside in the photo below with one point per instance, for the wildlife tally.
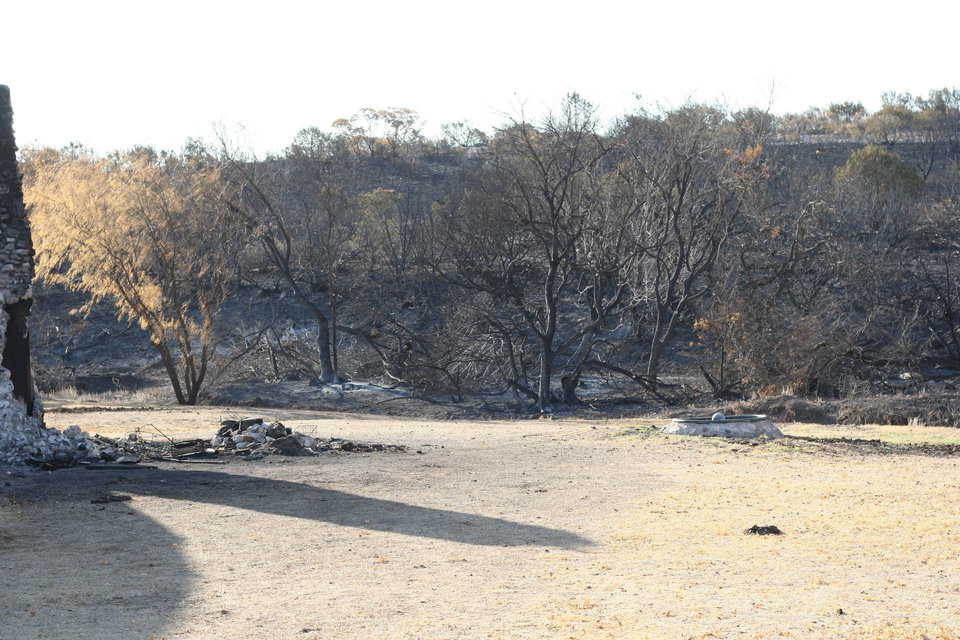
(666, 257)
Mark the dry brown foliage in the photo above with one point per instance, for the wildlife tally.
(148, 234)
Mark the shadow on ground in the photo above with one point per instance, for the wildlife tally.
(297, 500)
(72, 569)
(882, 447)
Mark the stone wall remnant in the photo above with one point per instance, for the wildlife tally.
(23, 437)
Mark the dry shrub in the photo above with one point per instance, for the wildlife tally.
(785, 408)
(942, 410)
(53, 377)
(771, 347)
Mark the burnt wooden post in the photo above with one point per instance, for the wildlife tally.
(16, 263)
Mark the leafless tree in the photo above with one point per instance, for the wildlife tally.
(516, 234)
(303, 219)
(693, 190)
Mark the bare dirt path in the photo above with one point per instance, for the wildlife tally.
(532, 529)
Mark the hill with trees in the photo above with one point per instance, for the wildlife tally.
(668, 256)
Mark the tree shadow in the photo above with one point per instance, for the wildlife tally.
(71, 569)
(298, 500)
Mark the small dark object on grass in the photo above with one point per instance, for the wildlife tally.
(110, 498)
(768, 530)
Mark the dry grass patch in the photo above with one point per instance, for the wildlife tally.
(894, 434)
(870, 551)
(942, 409)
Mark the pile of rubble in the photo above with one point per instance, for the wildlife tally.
(28, 441)
(135, 448)
(254, 438)
(250, 438)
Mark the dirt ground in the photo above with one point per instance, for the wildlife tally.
(513, 529)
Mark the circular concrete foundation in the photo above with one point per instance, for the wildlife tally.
(753, 426)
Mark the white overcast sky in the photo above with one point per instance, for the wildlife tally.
(111, 74)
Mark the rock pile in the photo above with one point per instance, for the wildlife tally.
(29, 442)
(25, 440)
(131, 449)
(251, 438)
(255, 439)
